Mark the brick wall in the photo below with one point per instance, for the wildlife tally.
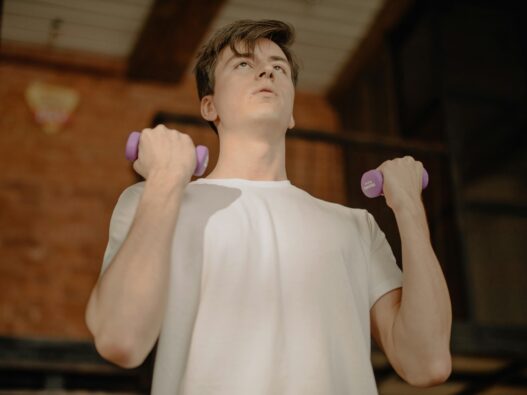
(57, 191)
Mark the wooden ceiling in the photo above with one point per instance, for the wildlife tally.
(158, 39)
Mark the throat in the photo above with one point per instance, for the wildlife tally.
(250, 160)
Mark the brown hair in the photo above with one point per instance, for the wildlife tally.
(248, 32)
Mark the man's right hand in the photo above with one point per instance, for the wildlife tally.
(167, 152)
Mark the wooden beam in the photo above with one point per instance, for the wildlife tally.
(387, 17)
(353, 138)
(169, 39)
(1, 16)
(61, 59)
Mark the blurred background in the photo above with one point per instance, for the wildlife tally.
(444, 81)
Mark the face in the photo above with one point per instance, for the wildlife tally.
(251, 89)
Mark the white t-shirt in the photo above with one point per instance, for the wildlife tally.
(270, 291)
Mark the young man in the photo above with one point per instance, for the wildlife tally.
(250, 284)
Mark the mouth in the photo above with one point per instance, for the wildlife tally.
(265, 90)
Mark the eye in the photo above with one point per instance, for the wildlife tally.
(242, 65)
(279, 67)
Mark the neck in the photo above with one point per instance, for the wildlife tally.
(250, 158)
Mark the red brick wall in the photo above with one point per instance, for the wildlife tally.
(57, 191)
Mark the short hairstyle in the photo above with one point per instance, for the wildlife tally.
(247, 32)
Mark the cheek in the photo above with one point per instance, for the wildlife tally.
(229, 87)
(291, 96)
(226, 98)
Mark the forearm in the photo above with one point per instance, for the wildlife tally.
(422, 327)
(126, 308)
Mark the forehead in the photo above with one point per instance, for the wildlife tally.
(263, 48)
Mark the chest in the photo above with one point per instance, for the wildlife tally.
(305, 239)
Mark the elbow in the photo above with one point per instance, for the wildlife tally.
(434, 373)
(120, 352)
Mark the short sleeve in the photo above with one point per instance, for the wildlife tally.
(384, 274)
(121, 221)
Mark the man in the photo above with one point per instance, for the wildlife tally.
(250, 284)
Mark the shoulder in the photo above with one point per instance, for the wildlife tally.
(133, 190)
(130, 196)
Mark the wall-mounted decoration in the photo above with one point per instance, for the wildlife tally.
(52, 105)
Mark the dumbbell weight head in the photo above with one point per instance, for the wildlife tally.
(132, 146)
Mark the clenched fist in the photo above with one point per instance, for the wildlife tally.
(403, 180)
(167, 152)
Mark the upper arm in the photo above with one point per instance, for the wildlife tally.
(382, 318)
(121, 221)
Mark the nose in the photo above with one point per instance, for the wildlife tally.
(266, 72)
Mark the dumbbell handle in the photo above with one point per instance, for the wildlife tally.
(202, 153)
(372, 181)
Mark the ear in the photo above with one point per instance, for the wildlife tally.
(208, 109)
(291, 122)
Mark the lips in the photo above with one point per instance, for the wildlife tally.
(268, 90)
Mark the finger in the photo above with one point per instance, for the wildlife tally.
(383, 165)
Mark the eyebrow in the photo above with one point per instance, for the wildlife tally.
(251, 56)
(280, 59)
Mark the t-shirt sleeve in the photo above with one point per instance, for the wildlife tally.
(121, 221)
(384, 274)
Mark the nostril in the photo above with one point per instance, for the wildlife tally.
(265, 73)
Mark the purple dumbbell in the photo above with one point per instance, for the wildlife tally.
(202, 153)
(371, 182)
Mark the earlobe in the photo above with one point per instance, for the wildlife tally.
(291, 122)
(208, 110)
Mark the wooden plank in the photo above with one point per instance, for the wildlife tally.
(387, 17)
(63, 60)
(169, 39)
(72, 15)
